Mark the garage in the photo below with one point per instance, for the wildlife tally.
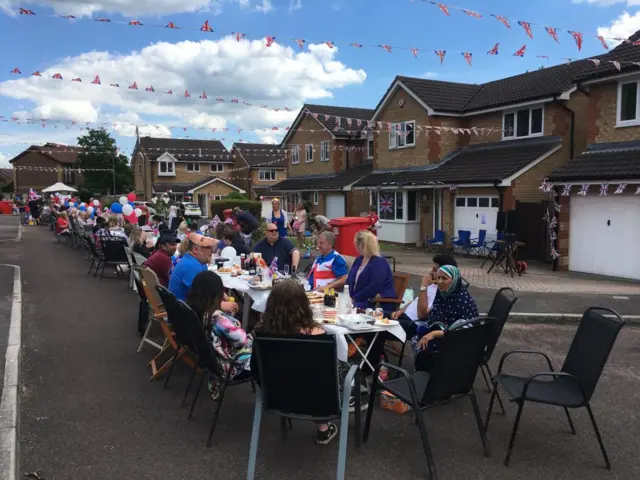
(334, 205)
(475, 213)
(603, 235)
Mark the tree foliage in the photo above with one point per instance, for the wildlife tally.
(101, 152)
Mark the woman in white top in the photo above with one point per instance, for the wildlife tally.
(300, 223)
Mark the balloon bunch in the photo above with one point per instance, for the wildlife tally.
(127, 208)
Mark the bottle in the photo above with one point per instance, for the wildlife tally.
(252, 266)
(348, 305)
(242, 261)
(383, 374)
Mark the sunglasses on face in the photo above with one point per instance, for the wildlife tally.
(272, 231)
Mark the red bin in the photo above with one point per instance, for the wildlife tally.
(228, 213)
(345, 230)
(6, 207)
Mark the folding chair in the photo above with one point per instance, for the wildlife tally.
(462, 242)
(437, 242)
(307, 389)
(400, 283)
(574, 384)
(494, 251)
(97, 257)
(452, 377)
(478, 245)
(114, 255)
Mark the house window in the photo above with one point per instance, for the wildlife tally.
(413, 205)
(628, 103)
(69, 176)
(216, 167)
(267, 175)
(217, 197)
(166, 168)
(309, 153)
(324, 151)
(391, 205)
(192, 167)
(370, 148)
(295, 154)
(522, 123)
(402, 135)
(315, 198)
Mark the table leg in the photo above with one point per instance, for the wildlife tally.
(498, 259)
(246, 311)
(364, 355)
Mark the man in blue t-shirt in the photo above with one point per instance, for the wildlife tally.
(273, 246)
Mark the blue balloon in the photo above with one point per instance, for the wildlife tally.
(66, 204)
(116, 207)
(133, 205)
(83, 208)
(91, 215)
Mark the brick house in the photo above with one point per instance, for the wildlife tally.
(197, 170)
(328, 149)
(38, 167)
(590, 224)
(263, 166)
(451, 156)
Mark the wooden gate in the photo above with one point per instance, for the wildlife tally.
(531, 228)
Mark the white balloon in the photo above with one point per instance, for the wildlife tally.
(127, 210)
(124, 201)
(90, 210)
(71, 204)
(83, 204)
(96, 203)
(137, 211)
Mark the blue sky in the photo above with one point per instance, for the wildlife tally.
(40, 42)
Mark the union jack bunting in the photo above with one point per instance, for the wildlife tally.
(553, 33)
(556, 205)
(554, 253)
(453, 188)
(578, 37)
(604, 189)
(299, 41)
(444, 9)
(468, 57)
(239, 36)
(638, 190)
(473, 14)
(584, 189)
(620, 188)
(206, 27)
(604, 43)
(135, 23)
(545, 186)
(502, 20)
(270, 40)
(527, 28)
(441, 54)
(520, 52)
(553, 222)
(494, 50)
(566, 190)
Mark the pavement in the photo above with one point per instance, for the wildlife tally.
(88, 410)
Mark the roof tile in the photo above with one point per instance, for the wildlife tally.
(610, 161)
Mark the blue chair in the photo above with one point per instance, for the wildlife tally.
(307, 254)
(478, 245)
(462, 242)
(494, 251)
(436, 242)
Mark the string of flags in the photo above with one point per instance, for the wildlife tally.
(269, 40)
(603, 191)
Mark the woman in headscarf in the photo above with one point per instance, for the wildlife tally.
(452, 306)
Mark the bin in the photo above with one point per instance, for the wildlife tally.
(345, 230)
(228, 213)
(6, 207)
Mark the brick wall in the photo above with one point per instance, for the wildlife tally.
(563, 233)
(137, 168)
(239, 162)
(182, 176)
(485, 120)
(302, 138)
(26, 179)
(526, 186)
(357, 202)
(602, 116)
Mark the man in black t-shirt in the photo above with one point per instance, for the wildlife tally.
(273, 246)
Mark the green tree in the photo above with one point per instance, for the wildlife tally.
(101, 152)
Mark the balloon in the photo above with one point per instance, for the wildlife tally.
(138, 212)
(131, 197)
(90, 210)
(83, 204)
(83, 208)
(127, 210)
(116, 207)
(96, 203)
(92, 214)
(71, 204)
(124, 200)
(132, 218)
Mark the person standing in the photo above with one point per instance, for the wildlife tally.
(279, 218)
(300, 223)
(374, 220)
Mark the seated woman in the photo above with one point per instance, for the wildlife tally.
(182, 231)
(370, 274)
(452, 306)
(227, 336)
(62, 224)
(140, 243)
(288, 312)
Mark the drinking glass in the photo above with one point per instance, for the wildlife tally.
(286, 270)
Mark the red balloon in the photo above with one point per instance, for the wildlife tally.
(131, 197)
(132, 219)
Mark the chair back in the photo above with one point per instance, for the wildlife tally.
(464, 236)
(501, 306)
(128, 254)
(137, 280)
(175, 317)
(439, 236)
(591, 347)
(113, 250)
(298, 374)
(400, 283)
(482, 236)
(456, 364)
(199, 341)
(149, 283)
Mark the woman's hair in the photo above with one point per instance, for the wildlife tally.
(229, 235)
(288, 310)
(63, 214)
(183, 247)
(113, 221)
(219, 230)
(135, 237)
(300, 206)
(367, 242)
(182, 228)
(205, 295)
(101, 222)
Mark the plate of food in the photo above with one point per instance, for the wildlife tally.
(261, 286)
(386, 322)
(225, 271)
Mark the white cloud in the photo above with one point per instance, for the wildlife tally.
(277, 76)
(139, 7)
(4, 161)
(295, 5)
(272, 139)
(608, 3)
(622, 27)
(430, 74)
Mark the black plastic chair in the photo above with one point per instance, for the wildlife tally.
(207, 360)
(97, 257)
(454, 370)
(178, 322)
(500, 310)
(114, 255)
(574, 384)
(305, 389)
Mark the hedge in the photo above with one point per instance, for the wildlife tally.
(218, 206)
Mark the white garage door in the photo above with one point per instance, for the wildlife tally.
(334, 206)
(603, 235)
(476, 213)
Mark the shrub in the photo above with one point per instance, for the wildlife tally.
(219, 206)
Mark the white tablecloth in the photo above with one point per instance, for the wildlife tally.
(342, 332)
(259, 297)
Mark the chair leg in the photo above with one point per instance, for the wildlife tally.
(255, 436)
(491, 402)
(193, 374)
(372, 398)
(344, 431)
(516, 424)
(595, 429)
(486, 380)
(573, 430)
(476, 412)
(93, 261)
(195, 398)
(173, 363)
(223, 388)
(144, 336)
(490, 374)
(102, 271)
(425, 439)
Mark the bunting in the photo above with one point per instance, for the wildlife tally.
(520, 51)
(206, 27)
(553, 33)
(415, 52)
(444, 9)
(239, 36)
(300, 42)
(578, 37)
(502, 20)
(270, 40)
(441, 54)
(527, 28)
(468, 57)
(494, 50)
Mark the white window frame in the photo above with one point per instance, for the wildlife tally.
(168, 163)
(405, 210)
(216, 167)
(316, 198)
(632, 122)
(267, 175)
(514, 112)
(195, 167)
(325, 151)
(399, 140)
(308, 153)
(295, 154)
(217, 197)
(371, 146)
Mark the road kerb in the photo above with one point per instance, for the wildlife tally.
(560, 318)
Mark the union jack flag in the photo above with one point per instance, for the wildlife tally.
(415, 52)
(553, 33)
(503, 20)
(36, 73)
(577, 36)
(603, 42)
(604, 189)
(187, 94)
(234, 100)
(386, 204)
(135, 23)
(520, 52)
(206, 27)
(329, 44)
(25, 11)
(219, 99)
(171, 25)
(566, 191)
(270, 40)
(494, 50)
(77, 79)
(149, 89)
(300, 42)
(203, 96)
(468, 57)
(621, 188)
(527, 28)
(57, 76)
(638, 190)
(134, 86)
(471, 13)
(584, 189)
(441, 54)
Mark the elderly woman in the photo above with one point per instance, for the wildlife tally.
(452, 307)
(370, 274)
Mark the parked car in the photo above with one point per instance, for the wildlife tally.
(145, 207)
(191, 210)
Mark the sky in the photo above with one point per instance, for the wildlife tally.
(279, 76)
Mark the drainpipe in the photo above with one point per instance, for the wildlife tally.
(572, 133)
(500, 197)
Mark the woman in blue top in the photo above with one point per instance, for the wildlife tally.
(279, 217)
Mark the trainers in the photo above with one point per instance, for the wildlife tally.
(323, 438)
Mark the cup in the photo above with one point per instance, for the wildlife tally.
(286, 270)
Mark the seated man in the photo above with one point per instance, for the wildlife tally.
(160, 260)
(330, 269)
(232, 239)
(272, 246)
